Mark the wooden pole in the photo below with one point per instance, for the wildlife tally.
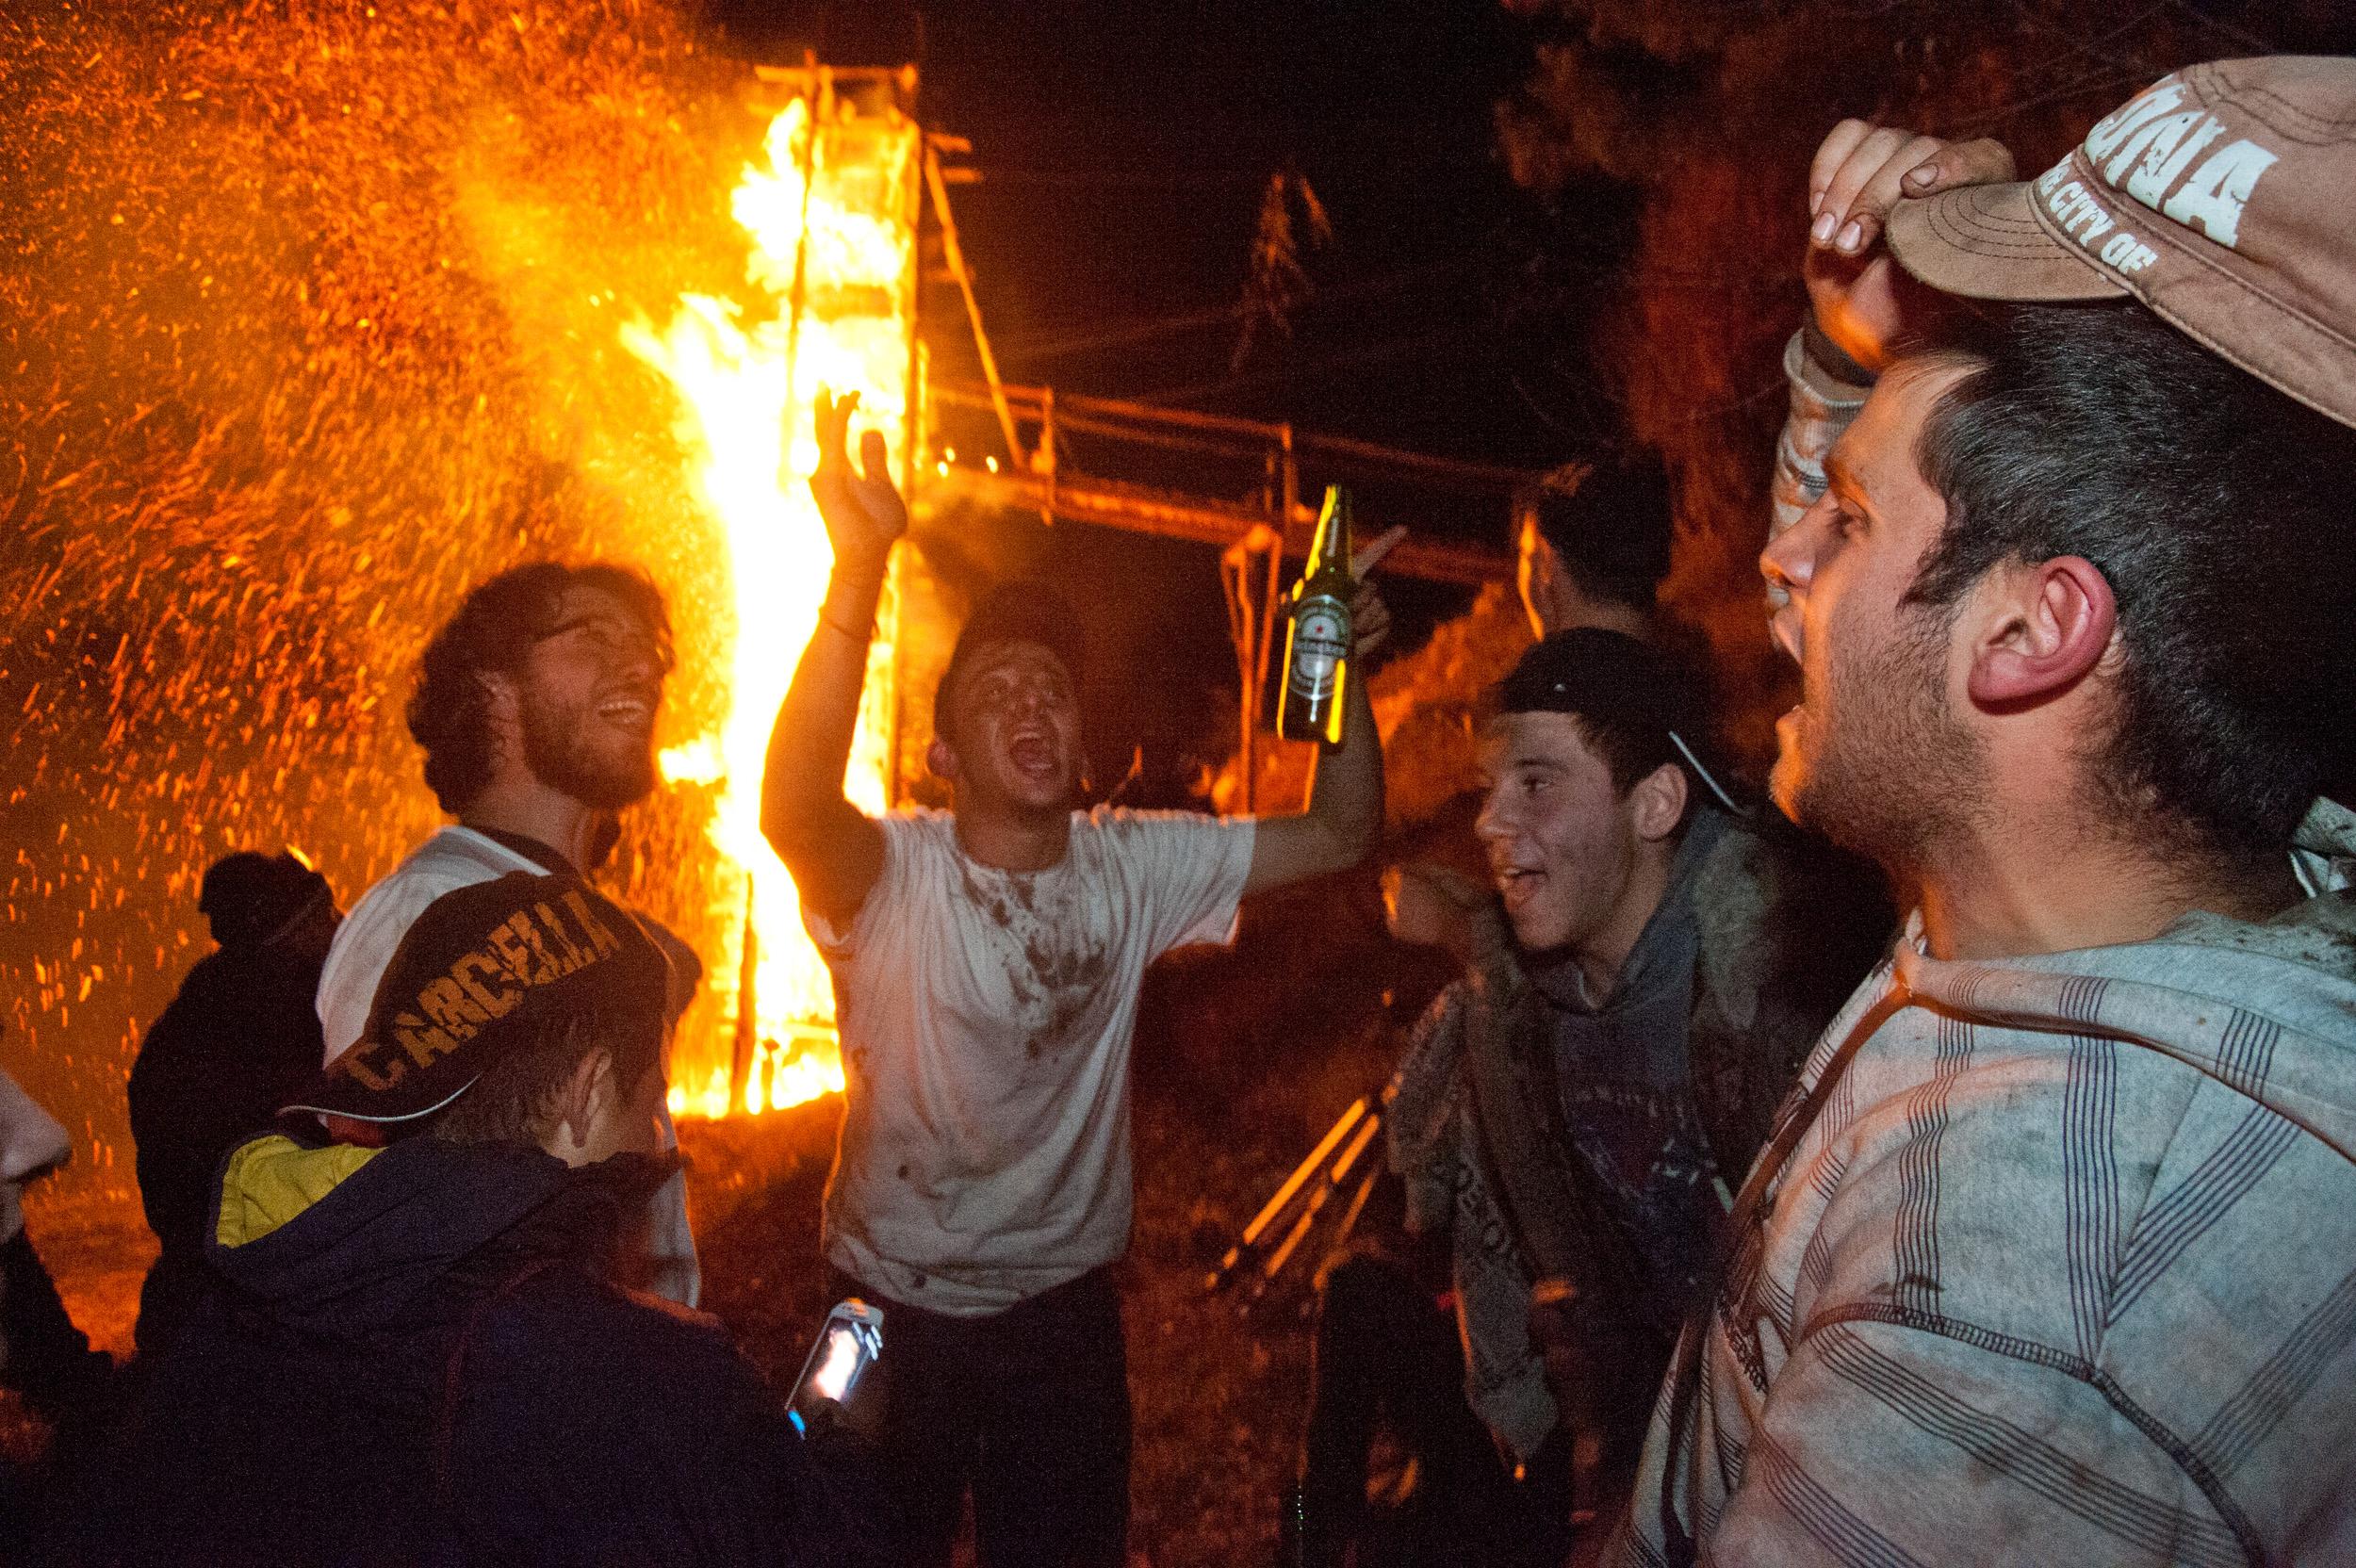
(955, 255)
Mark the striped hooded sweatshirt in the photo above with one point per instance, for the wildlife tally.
(2061, 1269)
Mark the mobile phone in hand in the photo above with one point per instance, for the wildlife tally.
(848, 1345)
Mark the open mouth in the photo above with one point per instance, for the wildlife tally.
(1518, 885)
(633, 713)
(1033, 754)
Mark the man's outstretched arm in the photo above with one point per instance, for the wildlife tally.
(833, 850)
(1344, 818)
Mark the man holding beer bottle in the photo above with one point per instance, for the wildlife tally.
(988, 960)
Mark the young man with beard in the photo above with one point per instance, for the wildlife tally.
(535, 706)
(987, 960)
(2049, 1259)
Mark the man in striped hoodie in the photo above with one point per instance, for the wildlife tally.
(2051, 1257)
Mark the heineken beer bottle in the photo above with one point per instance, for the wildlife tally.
(1317, 636)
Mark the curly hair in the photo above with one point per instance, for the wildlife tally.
(495, 627)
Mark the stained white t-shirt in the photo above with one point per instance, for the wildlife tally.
(459, 857)
(986, 1019)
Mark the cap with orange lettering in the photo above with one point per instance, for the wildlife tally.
(2218, 196)
(480, 966)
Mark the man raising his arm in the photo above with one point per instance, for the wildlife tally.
(987, 962)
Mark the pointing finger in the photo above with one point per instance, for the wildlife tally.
(1371, 555)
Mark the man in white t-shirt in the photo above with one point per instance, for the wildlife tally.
(987, 963)
(535, 706)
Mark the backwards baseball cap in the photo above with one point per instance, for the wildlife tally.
(2218, 196)
(479, 969)
(1609, 678)
(1013, 613)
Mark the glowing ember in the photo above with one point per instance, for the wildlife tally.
(832, 220)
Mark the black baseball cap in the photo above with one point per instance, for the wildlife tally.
(1611, 678)
(481, 966)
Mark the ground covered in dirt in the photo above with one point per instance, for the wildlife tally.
(1245, 1056)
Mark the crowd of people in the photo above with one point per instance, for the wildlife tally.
(1955, 1165)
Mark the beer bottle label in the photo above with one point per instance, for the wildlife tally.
(1320, 643)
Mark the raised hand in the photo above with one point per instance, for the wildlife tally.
(1863, 299)
(864, 513)
(1369, 617)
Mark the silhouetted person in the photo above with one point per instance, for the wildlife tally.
(236, 1043)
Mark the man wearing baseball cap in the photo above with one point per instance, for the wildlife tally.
(1575, 1108)
(425, 1352)
(2053, 1255)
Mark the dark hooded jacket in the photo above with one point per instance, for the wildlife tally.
(239, 1039)
(416, 1356)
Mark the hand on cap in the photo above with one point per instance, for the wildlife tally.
(1861, 297)
(863, 512)
(1369, 617)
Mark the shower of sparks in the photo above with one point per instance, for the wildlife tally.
(832, 216)
(309, 319)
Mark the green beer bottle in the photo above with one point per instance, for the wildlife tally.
(1318, 634)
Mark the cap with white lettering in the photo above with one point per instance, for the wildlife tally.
(2218, 196)
(481, 965)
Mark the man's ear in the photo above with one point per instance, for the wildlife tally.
(592, 1082)
(942, 759)
(2039, 629)
(1656, 803)
(502, 704)
(501, 697)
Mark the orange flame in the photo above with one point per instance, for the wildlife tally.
(832, 220)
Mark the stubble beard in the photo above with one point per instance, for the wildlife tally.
(562, 754)
(1894, 778)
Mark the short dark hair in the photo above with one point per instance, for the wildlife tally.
(1627, 696)
(2219, 511)
(1612, 534)
(1012, 612)
(494, 626)
(515, 1098)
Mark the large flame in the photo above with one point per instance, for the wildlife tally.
(831, 218)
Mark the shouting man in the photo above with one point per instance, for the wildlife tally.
(2052, 1255)
(988, 960)
(536, 708)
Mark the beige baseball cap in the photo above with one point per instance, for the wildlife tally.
(2221, 196)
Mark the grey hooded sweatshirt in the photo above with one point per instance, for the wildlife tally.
(2062, 1270)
